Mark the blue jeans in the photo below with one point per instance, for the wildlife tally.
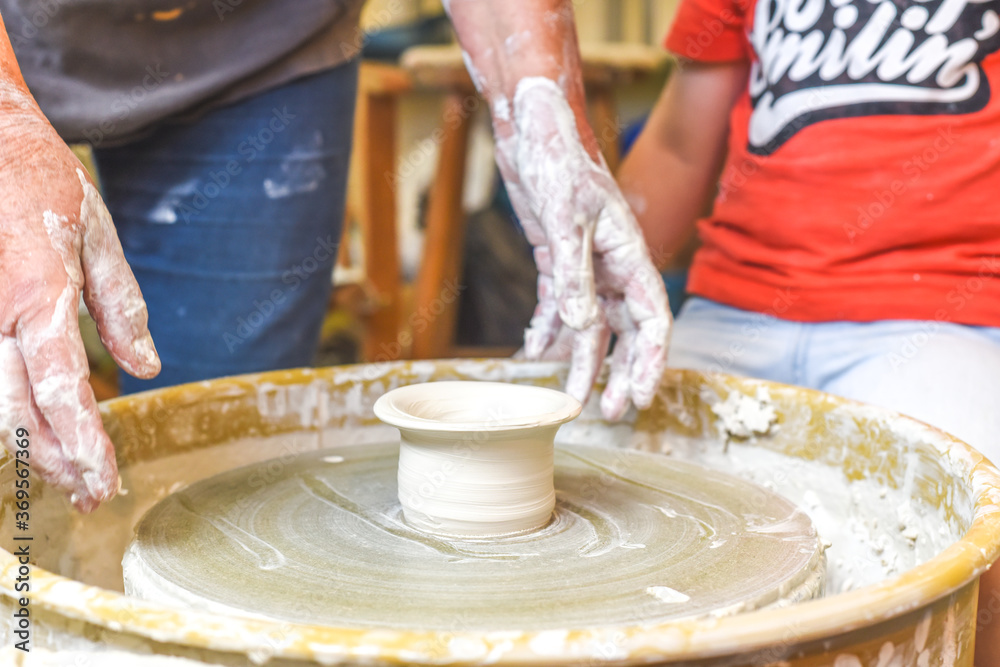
(942, 373)
(231, 224)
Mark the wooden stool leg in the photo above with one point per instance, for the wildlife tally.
(438, 288)
(377, 136)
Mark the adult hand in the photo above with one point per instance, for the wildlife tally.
(56, 239)
(595, 273)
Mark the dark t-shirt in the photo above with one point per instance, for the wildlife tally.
(105, 71)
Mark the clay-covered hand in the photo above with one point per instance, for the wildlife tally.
(56, 239)
(595, 272)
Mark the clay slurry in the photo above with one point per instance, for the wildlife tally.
(634, 538)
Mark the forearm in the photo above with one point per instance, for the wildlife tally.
(666, 194)
(524, 58)
(10, 73)
(506, 41)
(17, 106)
(669, 175)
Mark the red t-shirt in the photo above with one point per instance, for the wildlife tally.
(863, 173)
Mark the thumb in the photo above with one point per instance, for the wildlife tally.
(111, 292)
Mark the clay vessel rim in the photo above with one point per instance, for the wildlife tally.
(500, 406)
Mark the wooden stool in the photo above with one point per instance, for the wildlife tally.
(441, 68)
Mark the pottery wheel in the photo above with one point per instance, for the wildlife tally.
(319, 538)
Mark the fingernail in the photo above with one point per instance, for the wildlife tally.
(83, 502)
(578, 311)
(83, 505)
(643, 396)
(578, 389)
(145, 351)
(532, 344)
(613, 406)
(645, 385)
(98, 488)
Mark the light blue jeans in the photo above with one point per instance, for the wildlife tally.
(945, 374)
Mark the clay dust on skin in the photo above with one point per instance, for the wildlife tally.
(110, 286)
(586, 218)
(570, 207)
(49, 387)
(57, 394)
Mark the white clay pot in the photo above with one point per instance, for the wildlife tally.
(476, 458)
